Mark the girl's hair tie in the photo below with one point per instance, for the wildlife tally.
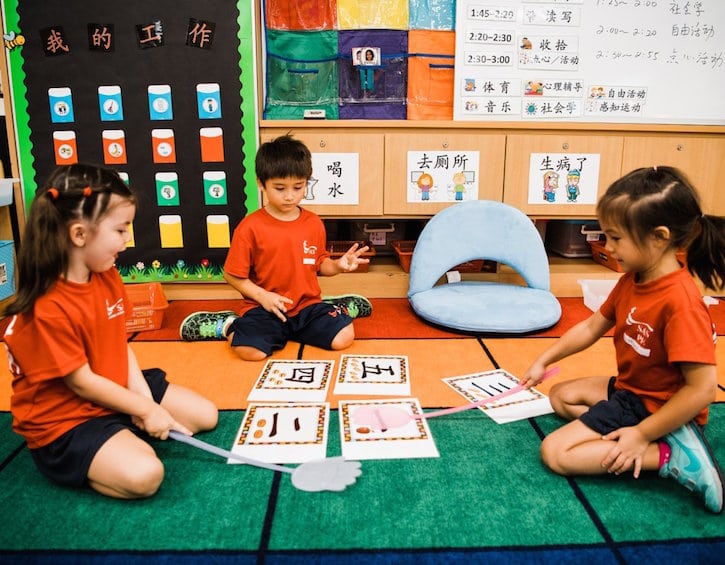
(87, 191)
(53, 193)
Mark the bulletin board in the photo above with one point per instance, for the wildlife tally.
(162, 91)
(633, 61)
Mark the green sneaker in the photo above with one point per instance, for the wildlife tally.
(693, 466)
(204, 326)
(353, 305)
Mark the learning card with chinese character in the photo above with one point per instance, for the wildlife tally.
(373, 375)
(384, 429)
(517, 406)
(290, 380)
(295, 432)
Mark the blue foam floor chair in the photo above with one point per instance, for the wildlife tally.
(482, 229)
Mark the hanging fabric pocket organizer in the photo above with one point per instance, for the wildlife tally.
(373, 86)
(372, 14)
(300, 14)
(431, 65)
(432, 14)
(301, 74)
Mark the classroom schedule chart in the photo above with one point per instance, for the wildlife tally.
(590, 60)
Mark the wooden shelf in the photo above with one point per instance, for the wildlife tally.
(386, 279)
(450, 125)
(199, 291)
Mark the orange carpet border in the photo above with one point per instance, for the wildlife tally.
(213, 370)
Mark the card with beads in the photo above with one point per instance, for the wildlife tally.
(288, 380)
(293, 432)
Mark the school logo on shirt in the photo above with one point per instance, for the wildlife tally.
(12, 365)
(642, 333)
(310, 252)
(115, 310)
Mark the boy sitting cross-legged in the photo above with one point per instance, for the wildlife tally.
(274, 259)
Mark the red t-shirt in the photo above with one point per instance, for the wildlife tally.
(72, 324)
(659, 324)
(279, 256)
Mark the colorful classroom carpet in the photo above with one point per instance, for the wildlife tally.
(487, 499)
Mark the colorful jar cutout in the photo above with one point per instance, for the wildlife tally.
(61, 105)
(215, 188)
(110, 103)
(64, 146)
(114, 147)
(208, 100)
(160, 106)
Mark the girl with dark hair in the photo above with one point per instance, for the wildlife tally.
(80, 399)
(649, 416)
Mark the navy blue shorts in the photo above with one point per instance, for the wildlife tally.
(621, 409)
(67, 459)
(317, 325)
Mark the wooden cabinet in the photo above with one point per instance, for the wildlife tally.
(701, 158)
(521, 146)
(369, 148)
(383, 165)
(505, 151)
(491, 148)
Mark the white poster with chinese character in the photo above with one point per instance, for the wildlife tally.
(442, 176)
(335, 179)
(563, 178)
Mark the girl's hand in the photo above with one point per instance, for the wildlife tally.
(533, 375)
(275, 304)
(628, 451)
(351, 259)
(157, 422)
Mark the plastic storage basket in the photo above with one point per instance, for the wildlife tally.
(602, 256)
(148, 305)
(569, 238)
(404, 251)
(596, 291)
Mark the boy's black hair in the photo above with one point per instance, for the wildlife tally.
(283, 157)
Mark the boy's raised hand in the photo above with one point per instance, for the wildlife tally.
(352, 258)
